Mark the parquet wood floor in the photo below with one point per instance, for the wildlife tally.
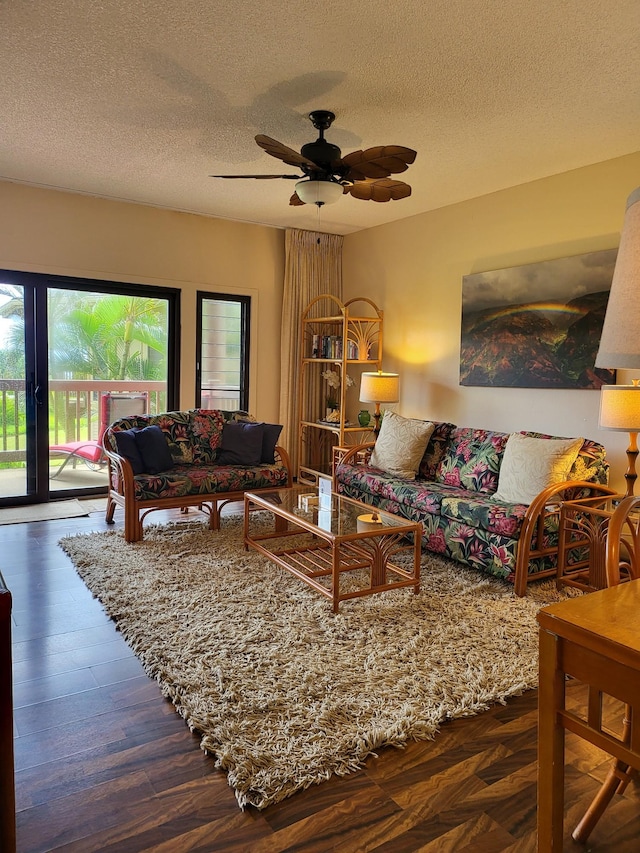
(103, 763)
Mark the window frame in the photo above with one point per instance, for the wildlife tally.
(245, 341)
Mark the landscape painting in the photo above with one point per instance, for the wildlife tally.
(538, 325)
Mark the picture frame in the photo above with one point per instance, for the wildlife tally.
(537, 325)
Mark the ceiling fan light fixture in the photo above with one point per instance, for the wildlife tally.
(319, 192)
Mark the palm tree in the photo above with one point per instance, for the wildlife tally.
(107, 337)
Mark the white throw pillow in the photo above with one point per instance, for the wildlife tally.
(530, 464)
(400, 445)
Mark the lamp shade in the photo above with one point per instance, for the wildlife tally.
(620, 341)
(379, 387)
(319, 192)
(620, 407)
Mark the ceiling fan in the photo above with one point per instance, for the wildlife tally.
(327, 175)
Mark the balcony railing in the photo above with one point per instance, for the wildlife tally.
(74, 410)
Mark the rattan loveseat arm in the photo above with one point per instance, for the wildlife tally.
(359, 454)
(544, 505)
(281, 454)
(121, 465)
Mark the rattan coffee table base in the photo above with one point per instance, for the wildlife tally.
(320, 556)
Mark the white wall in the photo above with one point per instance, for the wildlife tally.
(67, 234)
(413, 270)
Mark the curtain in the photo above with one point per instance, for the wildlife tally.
(313, 266)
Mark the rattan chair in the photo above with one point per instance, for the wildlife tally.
(622, 563)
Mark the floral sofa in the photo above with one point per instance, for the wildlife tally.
(453, 496)
(203, 458)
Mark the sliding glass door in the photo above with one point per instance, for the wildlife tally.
(19, 393)
(75, 355)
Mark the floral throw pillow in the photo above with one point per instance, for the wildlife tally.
(400, 445)
(436, 450)
(206, 433)
(472, 459)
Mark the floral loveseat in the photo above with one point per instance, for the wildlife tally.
(203, 458)
(454, 495)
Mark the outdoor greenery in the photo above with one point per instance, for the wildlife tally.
(91, 336)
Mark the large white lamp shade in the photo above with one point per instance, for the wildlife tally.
(620, 341)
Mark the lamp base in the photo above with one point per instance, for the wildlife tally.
(632, 454)
(377, 416)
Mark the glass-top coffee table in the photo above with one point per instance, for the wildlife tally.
(343, 537)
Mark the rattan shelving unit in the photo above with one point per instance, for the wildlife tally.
(345, 338)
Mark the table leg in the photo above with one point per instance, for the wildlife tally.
(551, 700)
(245, 523)
(281, 524)
(335, 576)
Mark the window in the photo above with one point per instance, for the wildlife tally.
(222, 357)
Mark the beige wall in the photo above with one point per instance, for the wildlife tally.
(413, 269)
(67, 234)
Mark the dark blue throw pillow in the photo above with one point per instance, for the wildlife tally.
(154, 450)
(128, 447)
(269, 441)
(241, 444)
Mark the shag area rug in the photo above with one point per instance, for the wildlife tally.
(283, 692)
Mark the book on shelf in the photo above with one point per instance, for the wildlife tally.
(331, 346)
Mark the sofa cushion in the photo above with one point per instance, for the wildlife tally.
(530, 465)
(241, 444)
(205, 434)
(400, 445)
(476, 510)
(154, 450)
(176, 427)
(436, 449)
(183, 480)
(133, 422)
(269, 440)
(491, 552)
(237, 415)
(472, 459)
(371, 485)
(591, 462)
(127, 447)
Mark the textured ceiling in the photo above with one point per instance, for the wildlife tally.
(142, 100)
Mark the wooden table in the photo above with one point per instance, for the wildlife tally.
(339, 542)
(595, 639)
(7, 782)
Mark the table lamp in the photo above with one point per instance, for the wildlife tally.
(620, 339)
(379, 388)
(620, 410)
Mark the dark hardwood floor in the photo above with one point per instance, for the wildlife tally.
(103, 763)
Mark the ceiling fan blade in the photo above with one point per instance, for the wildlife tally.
(295, 200)
(378, 162)
(283, 152)
(260, 177)
(382, 189)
